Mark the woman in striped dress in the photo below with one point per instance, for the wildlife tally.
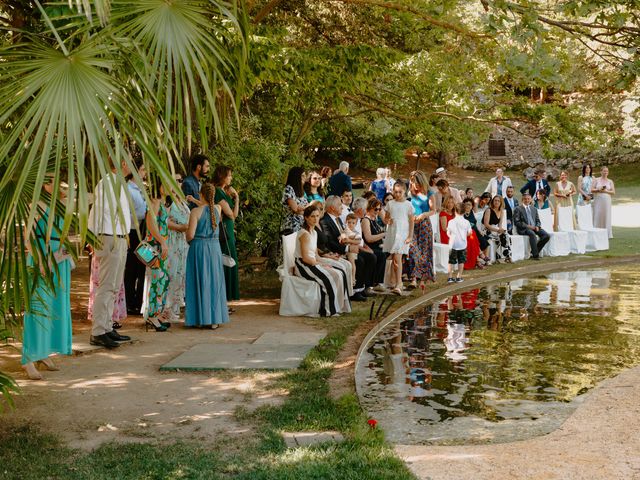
(334, 297)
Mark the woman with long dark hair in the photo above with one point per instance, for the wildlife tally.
(313, 190)
(206, 296)
(584, 185)
(334, 297)
(293, 201)
(495, 221)
(227, 198)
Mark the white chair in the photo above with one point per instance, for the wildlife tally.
(597, 238)
(577, 238)
(520, 248)
(559, 243)
(440, 250)
(298, 296)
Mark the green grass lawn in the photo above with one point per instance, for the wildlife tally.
(27, 453)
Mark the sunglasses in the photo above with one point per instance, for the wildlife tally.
(377, 209)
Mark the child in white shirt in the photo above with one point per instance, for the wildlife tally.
(458, 230)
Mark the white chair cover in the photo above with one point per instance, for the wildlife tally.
(597, 238)
(298, 296)
(440, 250)
(520, 248)
(559, 243)
(577, 238)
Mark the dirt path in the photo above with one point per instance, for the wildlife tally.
(121, 395)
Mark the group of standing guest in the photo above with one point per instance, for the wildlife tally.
(188, 270)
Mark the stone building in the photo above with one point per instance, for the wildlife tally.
(507, 148)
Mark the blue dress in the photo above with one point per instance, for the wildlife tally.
(205, 290)
(379, 187)
(47, 327)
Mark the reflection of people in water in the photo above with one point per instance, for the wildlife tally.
(456, 341)
(394, 364)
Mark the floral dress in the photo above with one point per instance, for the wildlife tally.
(178, 249)
(419, 262)
(292, 222)
(159, 276)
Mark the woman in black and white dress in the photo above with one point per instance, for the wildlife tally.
(334, 296)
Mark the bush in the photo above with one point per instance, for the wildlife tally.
(259, 173)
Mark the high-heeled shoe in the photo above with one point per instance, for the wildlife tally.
(166, 324)
(32, 371)
(158, 328)
(49, 365)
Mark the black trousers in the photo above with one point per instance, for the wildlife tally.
(537, 240)
(365, 269)
(134, 271)
(381, 259)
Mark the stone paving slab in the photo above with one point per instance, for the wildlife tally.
(290, 338)
(305, 439)
(207, 356)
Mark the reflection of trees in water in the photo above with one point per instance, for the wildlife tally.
(538, 339)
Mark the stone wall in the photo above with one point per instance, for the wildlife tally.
(520, 149)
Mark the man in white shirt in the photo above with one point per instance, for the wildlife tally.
(110, 221)
(498, 185)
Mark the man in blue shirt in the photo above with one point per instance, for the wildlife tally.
(191, 183)
(134, 269)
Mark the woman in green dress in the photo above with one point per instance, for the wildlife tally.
(227, 198)
(47, 327)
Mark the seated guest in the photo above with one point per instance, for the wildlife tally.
(373, 234)
(498, 185)
(494, 220)
(333, 226)
(483, 202)
(542, 201)
(332, 281)
(527, 222)
(360, 211)
(536, 183)
(313, 187)
(340, 181)
(478, 244)
(510, 203)
(468, 193)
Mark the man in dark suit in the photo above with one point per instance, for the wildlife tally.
(510, 204)
(527, 222)
(535, 184)
(340, 181)
(332, 226)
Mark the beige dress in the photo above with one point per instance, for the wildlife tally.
(568, 189)
(602, 204)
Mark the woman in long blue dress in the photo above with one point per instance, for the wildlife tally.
(47, 326)
(206, 295)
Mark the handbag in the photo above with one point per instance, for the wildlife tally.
(146, 253)
(227, 260)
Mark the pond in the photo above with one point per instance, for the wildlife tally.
(504, 362)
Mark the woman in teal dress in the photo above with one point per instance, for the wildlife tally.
(205, 293)
(227, 197)
(47, 326)
(158, 272)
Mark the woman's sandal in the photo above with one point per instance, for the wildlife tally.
(49, 365)
(32, 371)
(116, 325)
(396, 291)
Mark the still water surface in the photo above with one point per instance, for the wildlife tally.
(504, 362)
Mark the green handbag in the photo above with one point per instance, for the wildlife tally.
(146, 253)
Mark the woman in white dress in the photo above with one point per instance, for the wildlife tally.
(399, 216)
(602, 189)
(333, 282)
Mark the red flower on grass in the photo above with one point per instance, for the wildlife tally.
(372, 423)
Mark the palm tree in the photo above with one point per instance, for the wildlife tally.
(89, 81)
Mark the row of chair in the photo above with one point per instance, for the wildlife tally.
(301, 297)
(565, 239)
